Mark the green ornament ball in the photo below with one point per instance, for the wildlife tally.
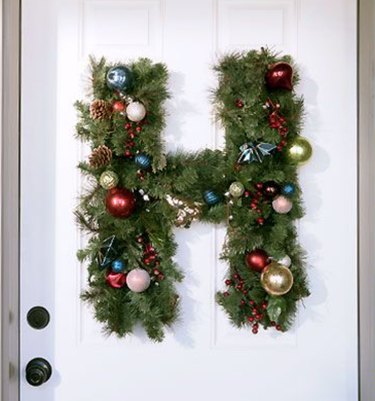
(108, 179)
(299, 150)
(236, 189)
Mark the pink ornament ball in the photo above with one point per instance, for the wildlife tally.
(282, 204)
(138, 280)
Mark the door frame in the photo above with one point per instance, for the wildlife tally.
(10, 85)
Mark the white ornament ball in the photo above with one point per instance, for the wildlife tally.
(282, 204)
(285, 261)
(138, 280)
(136, 111)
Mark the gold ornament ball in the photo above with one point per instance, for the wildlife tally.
(108, 179)
(299, 150)
(276, 279)
(236, 189)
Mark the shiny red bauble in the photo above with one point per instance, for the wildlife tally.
(118, 106)
(120, 202)
(257, 259)
(116, 280)
(280, 76)
(271, 189)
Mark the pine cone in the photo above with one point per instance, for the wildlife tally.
(100, 156)
(100, 109)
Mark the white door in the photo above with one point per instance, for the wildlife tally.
(203, 357)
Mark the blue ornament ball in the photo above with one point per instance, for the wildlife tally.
(288, 189)
(120, 78)
(143, 161)
(211, 197)
(118, 265)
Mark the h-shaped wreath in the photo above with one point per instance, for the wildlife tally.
(138, 194)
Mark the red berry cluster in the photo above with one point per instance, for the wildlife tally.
(256, 198)
(255, 313)
(277, 121)
(150, 257)
(133, 129)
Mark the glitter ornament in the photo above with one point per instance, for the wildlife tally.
(108, 179)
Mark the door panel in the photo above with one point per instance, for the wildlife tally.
(203, 356)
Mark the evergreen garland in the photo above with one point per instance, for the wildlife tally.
(180, 188)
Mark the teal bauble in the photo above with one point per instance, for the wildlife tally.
(118, 265)
(288, 189)
(143, 161)
(211, 197)
(119, 78)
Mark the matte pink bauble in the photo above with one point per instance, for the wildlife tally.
(282, 204)
(138, 280)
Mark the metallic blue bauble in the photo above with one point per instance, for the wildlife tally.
(143, 161)
(211, 197)
(288, 189)
(120, 78)
(118, 265)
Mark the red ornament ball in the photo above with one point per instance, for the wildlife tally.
(280, 76)
(120, 202)
(118, 106)
(271, 189)
(239, 103)
(257, 259)
(116, 280)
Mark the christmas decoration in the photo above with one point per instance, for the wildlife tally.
(267, 121)
(257, 259)
(285, 261)
(100, 110)
(116, 280)
(120, 78)
(288, 189)
(109, 251)
(282, 205)
(239, 103)
(299, 150)
(108, 179)
(236, 189)
(280, 76)
(271, 189)
(118, 106)
(143, 161)
(211, 197)
(254, 152)
(118, 265)
(276, 279)
(138, 280)
(100, 156)
(136, 111)
(187, 212)
(120, 202)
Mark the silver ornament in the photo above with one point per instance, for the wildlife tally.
(136, 111)
(236, 189)
(285, 261)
